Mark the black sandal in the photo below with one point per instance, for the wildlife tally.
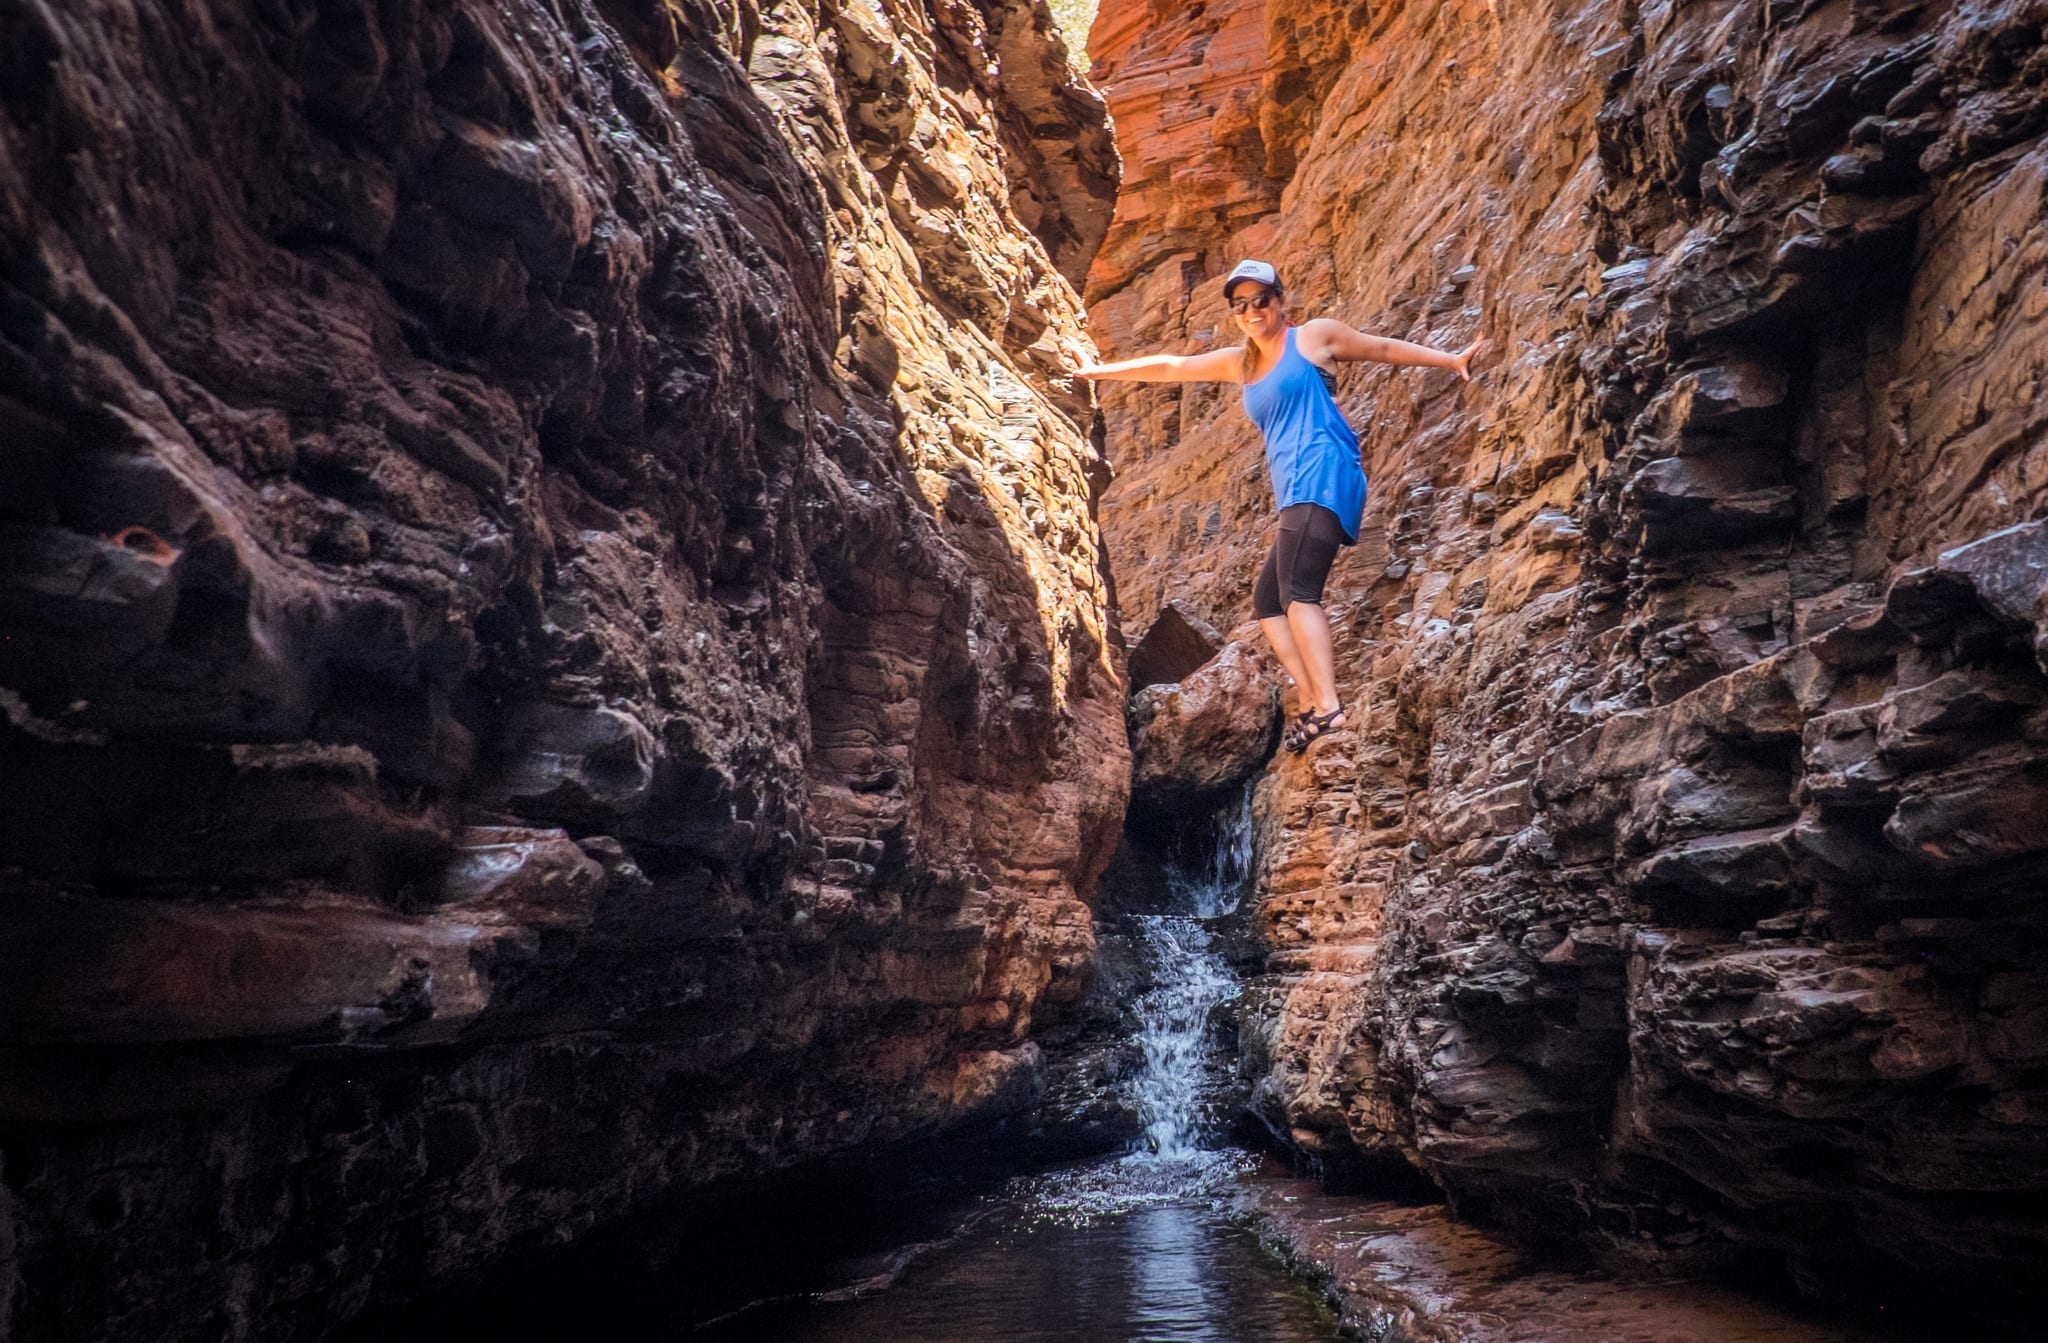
(1310, 726)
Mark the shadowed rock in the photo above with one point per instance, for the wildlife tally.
(553, 642)
(1177, 643)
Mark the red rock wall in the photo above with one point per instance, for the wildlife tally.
(552, 637)
(1673, 891)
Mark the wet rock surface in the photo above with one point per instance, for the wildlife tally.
(1675, 889)
(553, 644)
(1406, 1273)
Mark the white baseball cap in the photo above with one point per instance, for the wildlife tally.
(1260, 271)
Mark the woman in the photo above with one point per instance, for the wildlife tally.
(1312, 454)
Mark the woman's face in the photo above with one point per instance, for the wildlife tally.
(1259, 323)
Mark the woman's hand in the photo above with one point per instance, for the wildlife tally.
(1091, 372)
(1461, 362)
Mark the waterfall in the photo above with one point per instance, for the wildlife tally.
(1174, 1029)
(1175, 1089)
(1220, 885)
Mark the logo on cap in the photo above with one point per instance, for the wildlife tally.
(1260, 271)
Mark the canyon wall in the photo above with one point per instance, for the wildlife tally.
(1676, 888)
(553, 641)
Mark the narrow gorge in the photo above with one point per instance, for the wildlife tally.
(574, 659)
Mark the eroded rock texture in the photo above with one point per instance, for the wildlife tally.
(552, 637)
(1680, 887)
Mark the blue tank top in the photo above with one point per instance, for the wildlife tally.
(1310, 450)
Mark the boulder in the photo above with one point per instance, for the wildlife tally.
(1208, 731)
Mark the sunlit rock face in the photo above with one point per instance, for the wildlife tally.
(1677, 887)
(553, 640)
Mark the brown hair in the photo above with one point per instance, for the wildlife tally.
(1251, 351)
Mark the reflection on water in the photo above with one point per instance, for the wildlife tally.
(1125, 1251)
(1168, 1259)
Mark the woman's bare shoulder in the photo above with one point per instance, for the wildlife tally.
(1321, 338)
(1335, 341)
(1324, 329)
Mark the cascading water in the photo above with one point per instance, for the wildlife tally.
(1230, 864)
(1176, 1088)
(1174, 1030)
(1141, 1247)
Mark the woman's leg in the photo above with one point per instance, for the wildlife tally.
(1307, 569)
(1309, 629)
(1270, 607)
(1281, 637)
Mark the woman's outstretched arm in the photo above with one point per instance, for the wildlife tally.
(1215, 366)
(1327, 337)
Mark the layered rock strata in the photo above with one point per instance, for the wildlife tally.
(552, 637)
(1676, 889)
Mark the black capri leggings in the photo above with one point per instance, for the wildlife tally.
(1304, 546)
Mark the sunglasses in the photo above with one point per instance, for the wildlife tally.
(1249, 304)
